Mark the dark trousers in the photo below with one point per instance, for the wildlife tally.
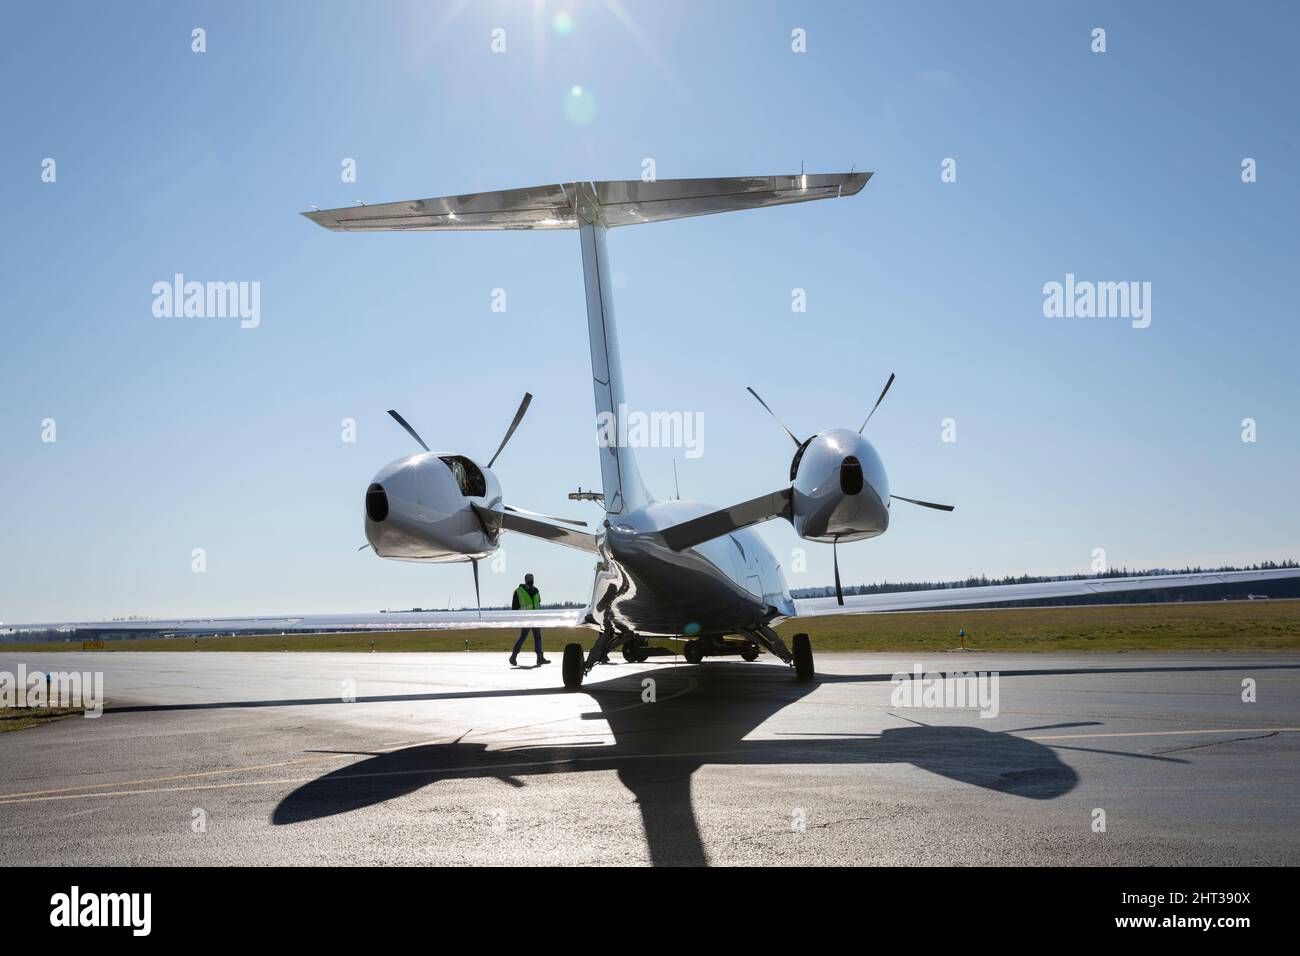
(537, 641)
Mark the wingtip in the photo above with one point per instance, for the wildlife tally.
(854, 182)
(319, 216)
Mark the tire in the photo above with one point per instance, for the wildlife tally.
(801, 649)
(629, 652)
(693, 652)
(750, 653)
(572, 666)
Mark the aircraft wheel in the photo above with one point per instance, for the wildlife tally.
(572, 666)
(801, 648)
(750, 653)
(629, 652)
(693, 652)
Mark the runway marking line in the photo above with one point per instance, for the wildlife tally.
(1172, 733)
(6, 797)
(442, 771)
(63, 793)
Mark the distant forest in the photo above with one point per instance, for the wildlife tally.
(1281, 588)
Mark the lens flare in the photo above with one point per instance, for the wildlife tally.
(579, 106)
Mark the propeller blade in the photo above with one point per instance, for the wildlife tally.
(519, 416)
(534, 514)
(478, 599)
(797, 442)
(364, 546)
(878, 401)
(409, 430)
(835, 554)
(924, 504)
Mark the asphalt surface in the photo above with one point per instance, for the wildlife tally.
(454, 758)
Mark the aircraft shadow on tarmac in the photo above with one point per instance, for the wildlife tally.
(658, 747)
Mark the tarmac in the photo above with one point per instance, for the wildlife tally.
(455, 758)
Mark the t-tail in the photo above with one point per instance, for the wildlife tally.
(592, 208)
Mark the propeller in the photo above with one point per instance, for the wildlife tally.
(409, 430)
(883, 391)
(835, 556)
(797, 442)
(478, 599)
(519, 416)
(924, 504)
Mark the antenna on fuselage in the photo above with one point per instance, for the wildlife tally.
(676, 487)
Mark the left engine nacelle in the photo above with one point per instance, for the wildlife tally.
(422, 508)
(839, 488)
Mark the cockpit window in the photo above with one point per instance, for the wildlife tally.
(467, 474)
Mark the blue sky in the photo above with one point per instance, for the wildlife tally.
(1072, 434)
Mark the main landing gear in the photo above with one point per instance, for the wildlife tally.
(575, 668)
(571, 667)
(800, 658)
(636, 650)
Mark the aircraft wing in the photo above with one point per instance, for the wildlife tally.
(382, 622)
(940, 598)
(619, 202)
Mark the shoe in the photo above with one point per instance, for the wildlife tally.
(513, 661)
(541, 661)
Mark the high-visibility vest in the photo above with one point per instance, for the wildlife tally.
(528, 602)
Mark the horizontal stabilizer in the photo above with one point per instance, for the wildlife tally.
(717, 523)
(619, 202)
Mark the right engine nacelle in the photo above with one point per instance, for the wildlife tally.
(840, 490)
(418, 508)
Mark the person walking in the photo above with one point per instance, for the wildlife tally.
(527, 598)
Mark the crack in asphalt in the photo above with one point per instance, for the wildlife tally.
(1216, 743)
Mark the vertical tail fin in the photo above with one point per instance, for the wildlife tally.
(623, 486)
